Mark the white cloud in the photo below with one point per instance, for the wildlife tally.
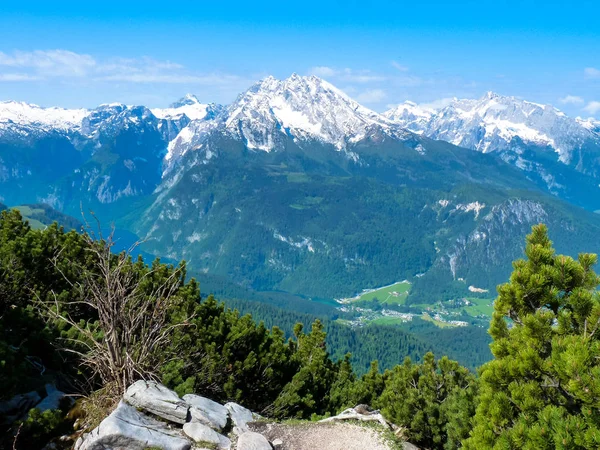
(371, 96)
(65, 64)
(571, 100)
(17, 77)
(323, 71)
(50, 62)
(360, 76)
(592, 107)
(591, 72)
(347, 74)
(399, 66)
(410, 81)
(211, 79)
(437, 104)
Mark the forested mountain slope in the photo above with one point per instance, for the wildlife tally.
(293, 187)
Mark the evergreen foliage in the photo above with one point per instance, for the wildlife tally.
(542, 390)
(434, 400)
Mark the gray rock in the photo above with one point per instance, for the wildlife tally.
(157, 399)
(240, 417)
(18, 406)
(199, 433)
(277, 444)
(253, 441)
(52, 400)
(409, 446)
(206, 411)
(127, 428)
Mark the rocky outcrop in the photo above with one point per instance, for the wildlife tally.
(158, 400)
(253, 441)
(240, 417)
(152, 416)
(18, 407)
(206, 411)
(52, 399)
(201, 434)
(128, 428)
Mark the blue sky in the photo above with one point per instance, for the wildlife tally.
(80, 54)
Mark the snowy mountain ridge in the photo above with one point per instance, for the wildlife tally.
(63, 119)
(27, 114)
(300, 107)
(305, 109)
(493, 122)
(189, 106)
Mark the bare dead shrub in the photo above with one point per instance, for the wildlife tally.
(127, 341)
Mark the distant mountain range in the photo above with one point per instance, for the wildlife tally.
(296, 187)
(556, 150)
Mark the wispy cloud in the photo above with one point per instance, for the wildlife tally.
(50, 62)
(371, 96)
(64, 64)
(347, 74)
(428, 106)
(210, 79)
(17, 77)
(438, 104)
(323, 71)
(396, 65)
(591, 72)
(410, 81)
(592, 107)
(571, 100)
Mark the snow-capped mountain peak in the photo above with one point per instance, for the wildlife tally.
(189, 106)
(590, 123)
(27, 114)
(187, 99)
(409, 113)
(304, 107)
(494, 121)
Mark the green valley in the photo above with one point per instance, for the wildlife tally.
(394, 294)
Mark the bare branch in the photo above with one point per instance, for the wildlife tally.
(127, 341)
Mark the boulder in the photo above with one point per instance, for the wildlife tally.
(127, 428)
(240, 417)
(201, 433)
(18, 406)
(253, 441)
(206, 411)
(158, 400)
(52, 400)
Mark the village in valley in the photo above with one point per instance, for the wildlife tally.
(388, 305)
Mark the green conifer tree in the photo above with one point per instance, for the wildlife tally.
(542, 390)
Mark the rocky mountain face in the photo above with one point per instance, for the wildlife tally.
(303, 110)
(61, 156)
(297, 187)
(559, 152)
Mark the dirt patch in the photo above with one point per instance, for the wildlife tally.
(330, 436)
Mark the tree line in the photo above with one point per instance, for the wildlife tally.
(117, 319)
